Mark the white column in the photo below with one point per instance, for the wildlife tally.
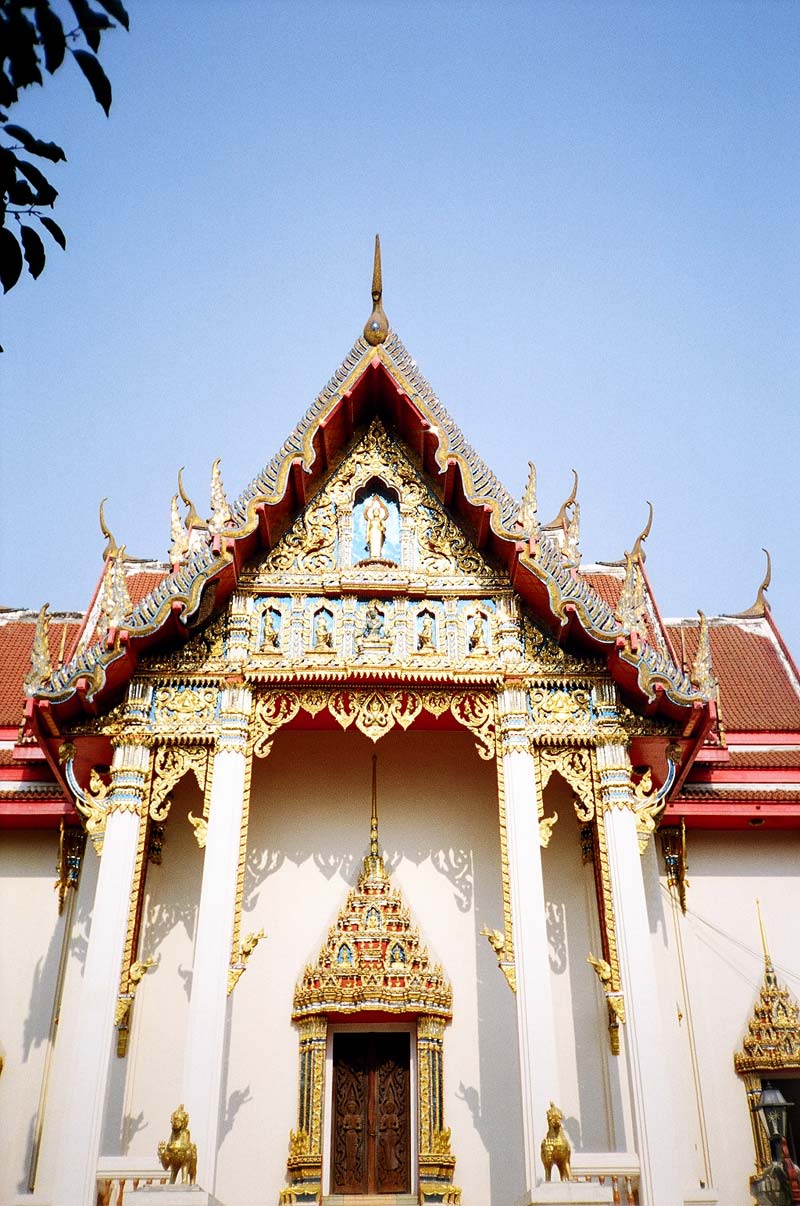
(205, 1035)
(651, 1091)
(82, 1124)
(535, 1019)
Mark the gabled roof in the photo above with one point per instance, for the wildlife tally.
(758, 685)
(386, 382)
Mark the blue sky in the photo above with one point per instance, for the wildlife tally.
(589, 223)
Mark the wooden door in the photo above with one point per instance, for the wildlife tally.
(371, 1114)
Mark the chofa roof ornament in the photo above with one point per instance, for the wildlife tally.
(377, 325)
(759, 607)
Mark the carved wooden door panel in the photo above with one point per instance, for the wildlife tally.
(371, 1114)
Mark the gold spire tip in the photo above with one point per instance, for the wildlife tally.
(377, 325)
(373, 828)
(767, 957)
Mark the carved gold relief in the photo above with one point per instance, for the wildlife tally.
(560, 712)
(375, 712)
(612, 985)
(575, 766)
(170, 765)
(185, 710)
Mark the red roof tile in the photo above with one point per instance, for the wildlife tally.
(16, 640)
(140, 585)
(757, 693)
(771, 759)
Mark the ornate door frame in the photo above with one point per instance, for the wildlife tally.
(365, 1027)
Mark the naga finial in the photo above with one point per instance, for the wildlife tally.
(376, 327)
(631, 604)
(115, 602)
(528, 508)
(41, 666)
(220, 511)
(572, 536)
(638, 548)
(193, 520)
(702, 675)
(111, 545)
(561, 520)
(180, 537)
(759, 607)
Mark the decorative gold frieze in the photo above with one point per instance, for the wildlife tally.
(375, 712)
(185, 711)
(560, 712)
(612, 985)
(125, 999)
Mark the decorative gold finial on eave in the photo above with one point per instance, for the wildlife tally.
(630, 610)
(702, 675)
(115, 600)
(178, 534)
(638, 548)
(220, 511)
(759, 608)
(111, 545)
(193, 520)
(377, 325)
(562, 519)
(527, 516)
(41, 666)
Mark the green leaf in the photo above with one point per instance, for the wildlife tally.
(46, 193)
(35, 146)
(10, 260)
(33, 247)
(19, 47)
(51, 35)
(55, 230)
(91, 22)
(117, 11)
(97, 78)
(21, 193)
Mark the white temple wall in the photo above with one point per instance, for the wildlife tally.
(309, 831)
(145, 1086)
(725, 966)
(31, 940)
(30, 947)
(588, 1080)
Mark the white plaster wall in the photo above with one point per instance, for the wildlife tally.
(145, 1086)
(309, 831)
(30, 948)
(727, 871)
(588, 1080)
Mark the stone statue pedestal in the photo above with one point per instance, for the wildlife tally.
(170, 1195)
(571, 1193)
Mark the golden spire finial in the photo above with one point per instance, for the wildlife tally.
(377, 325)
(631, 605)
(373, 825)
(638, 548)
(769, 970)
(760, 606)
(193, 520)
(373, 863)
(111, 545)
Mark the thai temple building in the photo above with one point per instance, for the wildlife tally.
(377, 849)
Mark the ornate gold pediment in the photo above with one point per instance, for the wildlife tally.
(772, 1041)
(373, 958)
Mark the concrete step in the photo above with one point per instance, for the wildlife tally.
(380, 1199)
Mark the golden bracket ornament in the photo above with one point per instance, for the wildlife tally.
(91, 804)
(614, 999)
(497, 941)
(125, 1000)
(248, 945)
